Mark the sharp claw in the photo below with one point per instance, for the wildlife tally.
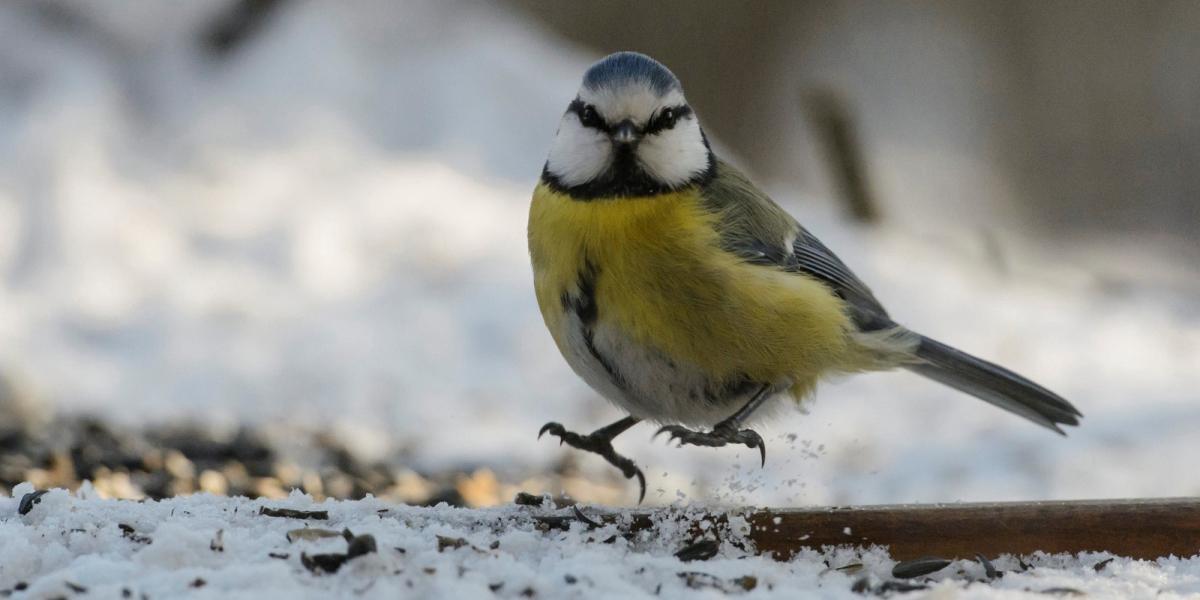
(661, 430)
(756, 441)
(676, 436)
(601, 446)
(549, 427)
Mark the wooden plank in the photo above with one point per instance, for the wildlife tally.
(1146, 529)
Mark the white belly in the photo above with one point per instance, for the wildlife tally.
(645, 382)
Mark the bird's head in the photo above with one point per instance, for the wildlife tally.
(628, 132)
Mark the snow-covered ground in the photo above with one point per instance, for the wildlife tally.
(203, 546)
(325, 230)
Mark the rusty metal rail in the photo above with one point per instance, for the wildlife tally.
(1147, 528)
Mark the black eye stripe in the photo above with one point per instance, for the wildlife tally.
(587, 115)
(666, 118)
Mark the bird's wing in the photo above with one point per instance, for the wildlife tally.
(760, 232)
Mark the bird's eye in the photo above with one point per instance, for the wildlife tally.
(667, 118)
(590, 118)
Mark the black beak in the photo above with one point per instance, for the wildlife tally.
(625, 133)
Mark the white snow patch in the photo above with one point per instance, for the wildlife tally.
(327, 230)
(166, 549)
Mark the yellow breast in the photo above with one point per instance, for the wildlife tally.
(662, 279)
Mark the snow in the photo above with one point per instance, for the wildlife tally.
(327, 233)
(208, 546)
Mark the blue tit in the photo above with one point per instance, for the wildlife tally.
(684, 295)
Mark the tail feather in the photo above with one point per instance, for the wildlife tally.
(993, 384)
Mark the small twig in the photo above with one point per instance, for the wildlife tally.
(835, 129)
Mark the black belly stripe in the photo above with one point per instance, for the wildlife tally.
(585, 308)
(617, 379)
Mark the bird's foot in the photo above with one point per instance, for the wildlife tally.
(724, 433)
(597, 444)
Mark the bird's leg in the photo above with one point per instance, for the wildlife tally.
(727, 431)
(600, 442)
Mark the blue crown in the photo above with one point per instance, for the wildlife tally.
(627, 67)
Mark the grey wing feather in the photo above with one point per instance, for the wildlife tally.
(814, 258)
(756, 229)
(760, 232)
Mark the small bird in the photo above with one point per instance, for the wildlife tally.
(684, 295)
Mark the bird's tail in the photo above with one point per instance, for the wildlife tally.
(994, 384)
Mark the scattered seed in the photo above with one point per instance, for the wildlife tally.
(909, 569)
(328, 563)
(899, 586)
(746, 582)
(1100, 565)
(701, 550)
(862, 586)
(1063, 591)
(360, 545)
(310, 534)
(29, 500)
(450, 543)
(527, 499)
(128, 532)
(697, 580)
(319, 515)
(988, 569)
(582, 517)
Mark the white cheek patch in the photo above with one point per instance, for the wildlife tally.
(674, 156)
(579, 154)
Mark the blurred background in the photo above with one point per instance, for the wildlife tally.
(254, 245)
